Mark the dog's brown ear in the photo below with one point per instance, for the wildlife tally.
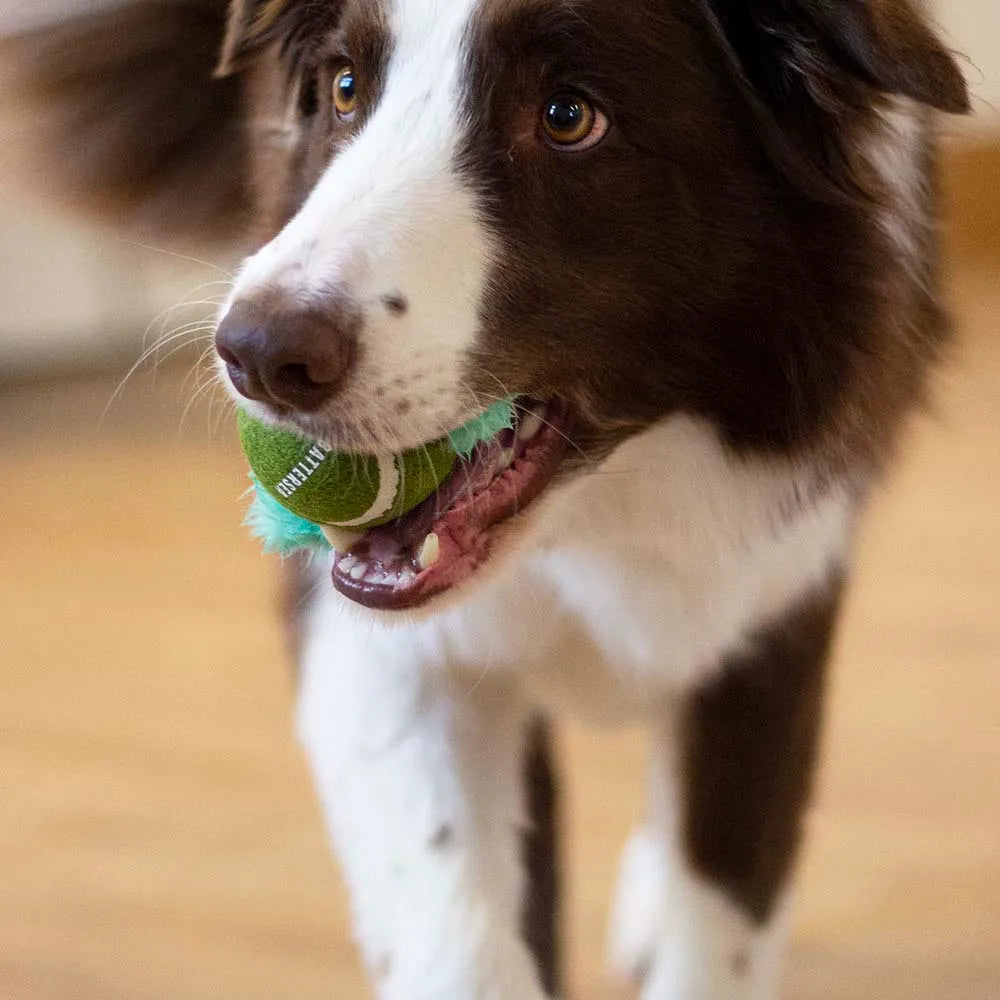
(830, 47)
(117, 113)
(251, 25)
(256, 24)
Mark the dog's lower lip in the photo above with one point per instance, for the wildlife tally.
(443, 542)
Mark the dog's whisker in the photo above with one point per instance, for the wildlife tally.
(196, 395)
(464, 463)
(220, 404)
(199, 392)
(523, 409)
(194, 332)
(209, 385)
(310, 594)
(202, 376)
(186, 336)
(164, 315)
(202, 365)
(181, 256)
(197, 329)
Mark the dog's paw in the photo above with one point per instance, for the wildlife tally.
(637, 912)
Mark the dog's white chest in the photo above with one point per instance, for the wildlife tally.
(669, 557)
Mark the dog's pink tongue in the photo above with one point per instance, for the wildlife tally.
(462, 539)
(403, 565)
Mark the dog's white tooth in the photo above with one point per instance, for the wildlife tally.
(341, 538)
(530, 425)
(359, 571)
(406, 575)
(505, 459)
(346, 564)
(430, 551)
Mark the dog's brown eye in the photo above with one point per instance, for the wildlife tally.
(572, 122)
(345, 93)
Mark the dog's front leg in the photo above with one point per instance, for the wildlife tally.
(420, 775)
(703, 901)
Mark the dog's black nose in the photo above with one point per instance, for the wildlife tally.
(284, 357)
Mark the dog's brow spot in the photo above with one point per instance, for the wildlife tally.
(403, 407)
(396, 304)
(443, 837)
(741, 963)
(642, 970)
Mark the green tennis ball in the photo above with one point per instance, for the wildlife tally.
(348, 491)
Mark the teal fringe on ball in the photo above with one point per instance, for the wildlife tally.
(278, 528)
(283, 532)
(499, 417)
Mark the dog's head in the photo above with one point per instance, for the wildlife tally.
(611, 211)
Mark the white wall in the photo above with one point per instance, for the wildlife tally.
(71, 296)
(63, 289)
(972, 27)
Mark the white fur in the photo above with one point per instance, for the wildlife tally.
(710, 950)
(673, 932)
(392, 216)
(894, 152)
(682, 938)
(418, 771)
(672, 552)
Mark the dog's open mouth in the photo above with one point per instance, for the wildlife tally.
(442, 542)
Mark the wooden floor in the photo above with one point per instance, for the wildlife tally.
(158, 838)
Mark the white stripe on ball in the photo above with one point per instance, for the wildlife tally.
(388, 487)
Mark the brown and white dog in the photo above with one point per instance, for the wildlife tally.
(696, 238)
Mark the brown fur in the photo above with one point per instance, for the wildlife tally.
(292, 66)
(761, 293)
(541, 856)
(749, 750)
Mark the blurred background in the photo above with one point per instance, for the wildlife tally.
(158, 837)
